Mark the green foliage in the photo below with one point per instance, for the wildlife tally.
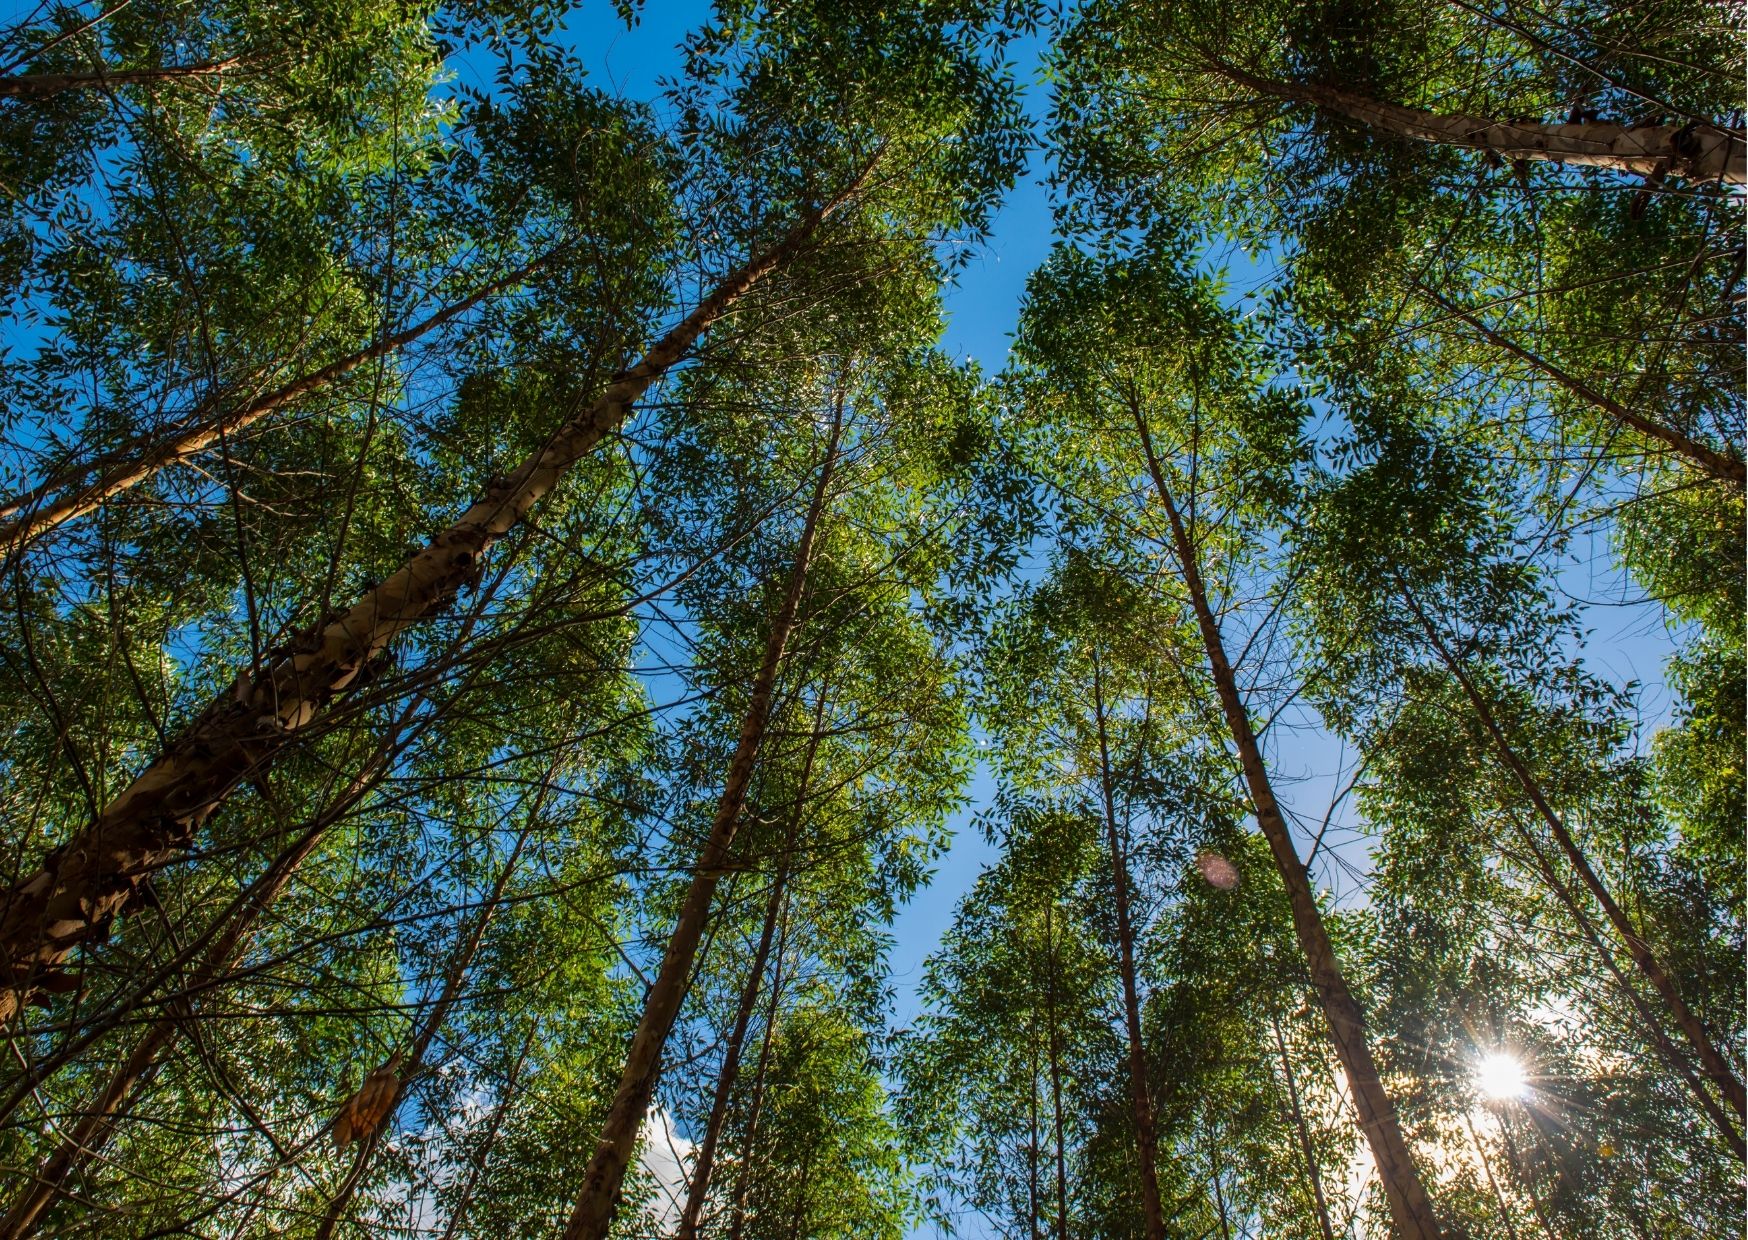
(1421, 422)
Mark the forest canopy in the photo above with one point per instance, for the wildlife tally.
(520, 612)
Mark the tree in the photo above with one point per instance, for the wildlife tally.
(1146, 348)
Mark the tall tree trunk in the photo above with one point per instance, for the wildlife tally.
(743, 1180)
(599, 1198)
(93, 1129)
(1305, 1146)
(1712, 1062)
(1521, 1174)
(35, 86)
(1141, 1104)
(1653, 1027)
(1219, 1193)
(699, 1188)
(799, 1218)
(73, 492)
(1718, 464)
(1032, 1189)
(1694, 151)
(1055, 1047)
(1410, 1209)
(1487, 1166)
(454, 976)
(702, 1167)
(96, 875)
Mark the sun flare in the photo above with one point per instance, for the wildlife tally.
(1500, 1076)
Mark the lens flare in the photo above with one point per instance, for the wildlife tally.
(1218, 871)
(1501, 1077)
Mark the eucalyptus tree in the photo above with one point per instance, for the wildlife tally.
(158, 814)
(600, 1193)
(872, 757)
(123, 705)
(1455, 662)
(373, 947)
(1112, 761)
(1128, 352)
(826, 1145)
(1013, 1033)
(1588, 309)
(1082, 684)
(1245, 1080)
(851, 795)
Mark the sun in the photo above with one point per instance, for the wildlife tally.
(1500, 1076)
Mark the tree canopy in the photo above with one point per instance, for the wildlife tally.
(512, 596)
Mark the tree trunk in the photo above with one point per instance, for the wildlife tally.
(743, 1180)
(1055, 1047)
(1141, 1105)
(1714, 1110)
(1718, 464)
(73, 492)
(699, 1188)
(1032, 1189)
(705, 1164)
(34, 86)
(1305, 1146)
(1487, 1166)
(599, 1197)
(1694, 151)
(87, 882)
(96, 1125)
(1716, 1068)
(1410, 1208)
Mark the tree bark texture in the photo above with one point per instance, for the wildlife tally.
(699, 1188)
(1694, 151)
(96, 875)
(599, 1198)
(95, 1126)
(1410, 1208)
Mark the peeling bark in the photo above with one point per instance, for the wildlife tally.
(87, 1137)
(1694, 152)
(83, 885)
